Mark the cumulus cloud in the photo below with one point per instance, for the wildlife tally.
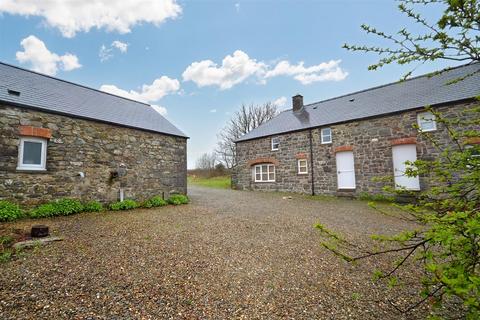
(213, 110)
(234, 69)
(325, 71)
(106, 53)
(239, 67)
(280, 102)
(148, 93)
(71, 17)
(36, 54)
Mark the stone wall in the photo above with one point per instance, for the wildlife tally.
(370, 139)
(156, 163)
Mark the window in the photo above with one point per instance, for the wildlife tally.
(264, 173)
(326, 135)
(275, 143)
(32, 154)
(302, 166)
(426, 121)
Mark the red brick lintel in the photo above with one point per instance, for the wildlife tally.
(343, 148)
(35, 132)
(263, 160)
(473, 140)
(410, 140)
(301, 155)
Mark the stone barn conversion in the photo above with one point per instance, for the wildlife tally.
(60, 139)
(337, 146)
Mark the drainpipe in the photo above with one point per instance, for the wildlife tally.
(311, 162)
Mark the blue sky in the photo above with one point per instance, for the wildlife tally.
(161, 51)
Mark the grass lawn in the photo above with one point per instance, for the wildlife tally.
(222, 182)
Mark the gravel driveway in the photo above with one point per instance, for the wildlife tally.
(228, 254)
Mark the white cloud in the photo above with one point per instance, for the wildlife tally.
(213, 110)
(106, 53)
(280, 102)
(239, 67)
(160, 109)
(325, 71)
(36, 53)
(75, 16)
(237, 7)
(234, 69)
(149, 93)
(122, 46)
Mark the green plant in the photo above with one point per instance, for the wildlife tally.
(155, 201)
(376, 197)
(5, 256)
(62, 207)
(177, 199)
(9, 211)
(124, 205)
(92, 206)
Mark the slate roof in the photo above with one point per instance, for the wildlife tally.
(395, 97)
(49, 94)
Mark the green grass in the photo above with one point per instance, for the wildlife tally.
(222, 182)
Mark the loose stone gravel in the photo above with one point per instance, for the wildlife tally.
(228, 254)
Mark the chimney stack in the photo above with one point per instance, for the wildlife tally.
(297, 102)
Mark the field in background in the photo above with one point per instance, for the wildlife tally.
(220, 182)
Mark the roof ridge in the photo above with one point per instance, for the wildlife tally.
(392, 83)
(73, 83)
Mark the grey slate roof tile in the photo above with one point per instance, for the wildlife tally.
(50, 94)
(395, 97)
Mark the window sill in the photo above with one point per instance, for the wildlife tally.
(302, 174)
(347, 190)
(265, 181)
(31, 170)
(326, 142)
(427, 130)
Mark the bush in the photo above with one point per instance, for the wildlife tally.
(62, 207)
(9, 211)
(124, 205)
(92, 206)
(178, 199)
(155, 201)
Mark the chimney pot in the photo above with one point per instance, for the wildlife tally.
(297, 102)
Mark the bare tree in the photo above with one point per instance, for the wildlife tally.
(206, 161)
(243, 121)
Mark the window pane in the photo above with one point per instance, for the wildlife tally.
(326, 135)
(257, 169)
(264, 176)
(258, 177)
(32, 152)
(271, 169)
(264, 168)
(271, 176)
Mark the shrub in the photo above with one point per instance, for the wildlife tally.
(124, 205)
(177, 199)
(92, 206)
(9, 211)
(62, 207)
(155, 201)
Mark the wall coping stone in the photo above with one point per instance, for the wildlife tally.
(35, 132)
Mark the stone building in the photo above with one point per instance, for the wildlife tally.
(338, 146)
(60, 139)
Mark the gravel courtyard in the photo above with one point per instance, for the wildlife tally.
(228, 254)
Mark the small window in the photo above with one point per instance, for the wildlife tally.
(426, 121)
(275, 143)
(264, 173)
(32, 154)
(302, 166)
(326, 135)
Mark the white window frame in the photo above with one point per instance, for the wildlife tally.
(260, 166)
(323, 136)
(277, 139)
(422, 118)
(301, 166)
(43, 157)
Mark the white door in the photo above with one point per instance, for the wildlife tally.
(345, 170)
(402, 153)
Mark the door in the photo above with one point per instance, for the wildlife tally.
(402, 153)
(345, 170)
